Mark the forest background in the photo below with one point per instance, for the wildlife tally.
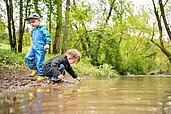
(113, 36)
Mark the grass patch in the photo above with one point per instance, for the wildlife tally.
(4, 38)
(83, 68)
(12, 59)
(103, 72)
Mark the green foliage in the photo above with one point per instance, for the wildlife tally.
(4, 38)
(120, 43)
(2, 27)
(136, 65)
(107, 71)
(27, 39)
(11, 59)
(84, 68)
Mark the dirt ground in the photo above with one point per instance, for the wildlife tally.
(18, 79)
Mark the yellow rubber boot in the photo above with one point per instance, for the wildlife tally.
(40, 78)
(33, 73)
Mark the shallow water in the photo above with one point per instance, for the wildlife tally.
(126, 95)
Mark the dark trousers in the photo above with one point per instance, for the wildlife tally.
(49, 73)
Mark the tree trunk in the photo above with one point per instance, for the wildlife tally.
(110, 11)
(9, 22)
(36, 6)
(164, 18)
(20, 27)
(50, 21)
(22, 24)
(11, 26)
(65, 38)
(164, 50)
(56, 45)
(74, 2)
(161, 45)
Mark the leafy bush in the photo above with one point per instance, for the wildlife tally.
(84, 68)
(4, 38)
(107, 71)
(11, 58)
(139, 65)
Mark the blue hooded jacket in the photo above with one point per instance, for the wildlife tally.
(40, 37)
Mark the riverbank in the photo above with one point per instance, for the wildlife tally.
(18, 79)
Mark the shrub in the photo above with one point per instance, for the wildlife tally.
(103, 71)
(11, 58)
(83, 68)
(4, 38)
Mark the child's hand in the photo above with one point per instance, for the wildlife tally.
(46, 47)
(78, 78)
(61, 77)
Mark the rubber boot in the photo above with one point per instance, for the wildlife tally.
(40, 78)
(33, 73)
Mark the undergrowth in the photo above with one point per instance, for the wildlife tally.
(84, 68)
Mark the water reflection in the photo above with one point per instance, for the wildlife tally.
(126, 95)
(10, 103)
(37, 99)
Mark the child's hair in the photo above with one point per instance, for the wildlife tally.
(74, 53)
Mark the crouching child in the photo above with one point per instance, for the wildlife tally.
(56, 66)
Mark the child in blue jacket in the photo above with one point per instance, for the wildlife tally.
(40, 44)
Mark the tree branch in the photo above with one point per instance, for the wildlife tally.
(110, 11)
(159, 24)
(164, 18)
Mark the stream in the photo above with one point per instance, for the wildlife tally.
(124, 95)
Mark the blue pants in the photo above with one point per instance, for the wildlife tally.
(35, 59)
(49, 73)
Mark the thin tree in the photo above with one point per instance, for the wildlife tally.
(11, 25)
(22, 24)
(66, 28)
(49, 5)
(56, 44)
(159, 21)
(110, 11)
(20, 27)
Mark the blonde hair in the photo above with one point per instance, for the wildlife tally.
(74, 53)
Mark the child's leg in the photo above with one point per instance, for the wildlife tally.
(62, 70)
(40, 54)
(47, 72)
(30, 59)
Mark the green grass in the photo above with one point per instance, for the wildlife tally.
(4, 38)
(83, 68)
(12, 59)
(105, 71)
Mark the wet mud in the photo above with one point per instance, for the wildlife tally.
(18, 79)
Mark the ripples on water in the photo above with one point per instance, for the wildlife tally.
(126, 95)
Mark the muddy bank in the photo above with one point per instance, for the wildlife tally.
(18, 79)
